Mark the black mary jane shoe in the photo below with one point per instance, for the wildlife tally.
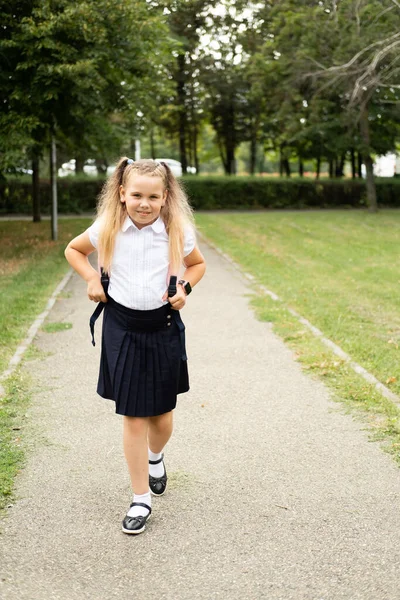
(158, 484)
(136, 524)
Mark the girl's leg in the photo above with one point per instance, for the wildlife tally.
(136, 453)
(159, 431)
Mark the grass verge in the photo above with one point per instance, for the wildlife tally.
(13, 406)
(339, 270)
(31, 266)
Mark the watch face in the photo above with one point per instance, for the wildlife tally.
(186, 286)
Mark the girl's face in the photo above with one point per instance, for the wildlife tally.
(143, 196)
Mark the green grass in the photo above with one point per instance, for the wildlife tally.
(55, 327)
(31, 266)
(340, 270)
(12, 421)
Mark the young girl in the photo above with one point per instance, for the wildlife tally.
(143, 233)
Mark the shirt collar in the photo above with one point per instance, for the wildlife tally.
(158, 226)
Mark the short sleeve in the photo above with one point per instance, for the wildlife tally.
(93, 232)
(190, 240)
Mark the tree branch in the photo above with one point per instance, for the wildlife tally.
(382, 13)
(360, 53)
(358, 16)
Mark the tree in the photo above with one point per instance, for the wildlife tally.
(371, 53)
(68, 65)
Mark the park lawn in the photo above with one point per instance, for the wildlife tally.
(339, 269)
(31, 266)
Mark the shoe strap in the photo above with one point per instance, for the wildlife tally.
(155, 462)
(141, 504)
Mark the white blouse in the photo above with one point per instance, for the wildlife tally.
(140, 264)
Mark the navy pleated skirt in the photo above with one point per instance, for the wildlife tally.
(143, 363)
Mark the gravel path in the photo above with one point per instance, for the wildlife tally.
(274, 493)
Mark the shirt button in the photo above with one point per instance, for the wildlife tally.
(168, 324)
(168, 316)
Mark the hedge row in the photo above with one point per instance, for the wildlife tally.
(210, 193)
(73, 196)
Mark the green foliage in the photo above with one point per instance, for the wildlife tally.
(67, 66)
(210, 193)
(74, 196)
(288, 76)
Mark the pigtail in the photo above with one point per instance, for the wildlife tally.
(111, 212)
(177, 215)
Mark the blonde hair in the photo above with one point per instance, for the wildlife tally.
(176, 213)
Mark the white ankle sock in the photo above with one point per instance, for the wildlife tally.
(140, 511)
(156, 470)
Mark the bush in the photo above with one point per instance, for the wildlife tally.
(74, 196)
(212, 193)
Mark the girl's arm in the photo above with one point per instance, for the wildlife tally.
(195, 266)
(77, 253)
(195, 269)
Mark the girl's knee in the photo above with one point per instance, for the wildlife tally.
(136, 426)
(162, 422)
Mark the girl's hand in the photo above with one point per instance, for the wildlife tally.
(178, 301)
(95, 290)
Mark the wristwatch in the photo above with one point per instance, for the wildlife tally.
(186, 286)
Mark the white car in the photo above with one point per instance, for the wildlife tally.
(174, 165)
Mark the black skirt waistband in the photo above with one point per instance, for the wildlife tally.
(141, 315)
(140, 320)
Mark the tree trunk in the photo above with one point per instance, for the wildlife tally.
(331, 168)
(152, 144)
(182, 112)
(353, 163)
(230, 139)
(340, 165)
(53, 181)
(102, 166)
(301, 167)
(222, 155)
(35, 190)
(369, 165)
(195, 151)
(281, 164)
(230, 159)
(318, 171)
(253, 153)
(359, 165)
(79, 164)
(286, 167)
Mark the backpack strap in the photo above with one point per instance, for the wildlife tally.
(105, 282)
